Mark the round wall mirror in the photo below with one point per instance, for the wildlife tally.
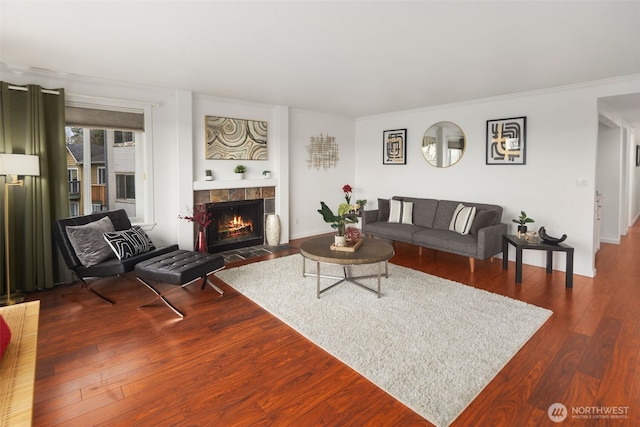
(443, 144)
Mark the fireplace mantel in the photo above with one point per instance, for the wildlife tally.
(235, 183)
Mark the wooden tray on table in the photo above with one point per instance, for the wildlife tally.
(351, 246)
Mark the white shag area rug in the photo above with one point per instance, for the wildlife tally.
(431, 343)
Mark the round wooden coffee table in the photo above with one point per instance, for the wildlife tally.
(372, 251)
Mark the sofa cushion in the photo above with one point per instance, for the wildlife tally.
(383, 210)
(5, 336)
(88, 243)
(444, 213)
(484, 218)
(392, 231)
(424, 211)
(462, 219)
(129, 243)
(446, 208)
(447, 241)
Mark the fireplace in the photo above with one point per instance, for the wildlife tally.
(235, 224)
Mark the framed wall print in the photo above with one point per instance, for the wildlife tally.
(506, 141)
(235, 139)
(394, 147)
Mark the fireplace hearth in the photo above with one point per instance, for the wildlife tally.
(236, 224)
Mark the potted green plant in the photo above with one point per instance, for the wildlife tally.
(522, 222)
(266, 174)
(338, 221)
(239, 171)
(208, 175)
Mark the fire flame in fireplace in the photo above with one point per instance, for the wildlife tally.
(234, 227)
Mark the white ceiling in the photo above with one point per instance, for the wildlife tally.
(346, 57)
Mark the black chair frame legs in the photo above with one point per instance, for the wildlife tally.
(85, 285)
(162, 295)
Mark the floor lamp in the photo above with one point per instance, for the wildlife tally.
(13, 166)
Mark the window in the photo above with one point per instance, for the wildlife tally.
(108, 149)
(122, 137)
(74, 208)
(125, 186)
(74, 184)
(102, 175)
(96, 158)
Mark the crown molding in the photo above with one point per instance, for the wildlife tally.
(554, 89)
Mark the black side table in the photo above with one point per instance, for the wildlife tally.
(521, 244)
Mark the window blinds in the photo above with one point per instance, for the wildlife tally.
(104, 119)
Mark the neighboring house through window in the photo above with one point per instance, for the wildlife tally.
(104, 150)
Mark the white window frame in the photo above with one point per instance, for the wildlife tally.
(125, 174)
(74, 207)
(145, 211)
(102, 175)
(70, 171)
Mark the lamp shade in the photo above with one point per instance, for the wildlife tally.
(19, 164)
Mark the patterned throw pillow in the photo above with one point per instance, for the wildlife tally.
(87, 241)
(462, 219)
(129, 243)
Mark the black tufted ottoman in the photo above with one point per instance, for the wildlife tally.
(178, 268)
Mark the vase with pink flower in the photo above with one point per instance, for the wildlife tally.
(202, 219)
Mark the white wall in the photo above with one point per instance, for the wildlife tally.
(617, 177)
(309, 186)
(277, 118)
(562, 132)
(635, 178)
(608, 182)
(204, 105)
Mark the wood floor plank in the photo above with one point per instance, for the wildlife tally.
(231, 363)
(598, 353)
(554, 382)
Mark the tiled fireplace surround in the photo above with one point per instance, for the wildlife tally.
(268, 194)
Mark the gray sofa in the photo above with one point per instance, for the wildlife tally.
(429, 224)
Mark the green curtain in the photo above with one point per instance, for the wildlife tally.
(33, 122)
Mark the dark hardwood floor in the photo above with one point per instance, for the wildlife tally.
(230, 363)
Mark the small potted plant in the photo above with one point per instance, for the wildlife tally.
(522, 222)
(339, 220)
(360, 204)
(208, 175)
(266, 174)
(239, 171)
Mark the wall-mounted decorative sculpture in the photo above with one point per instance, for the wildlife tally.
(235, 139)
(322, 152)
